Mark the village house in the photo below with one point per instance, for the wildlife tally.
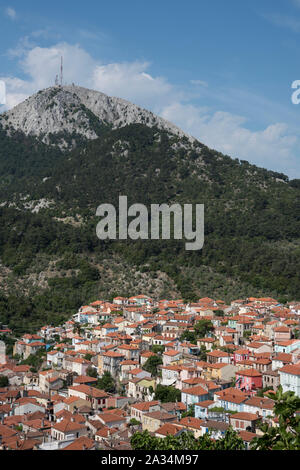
(290, 378)
(154, 420)
(217, 429)
(287, 346)
(98, 398)
(141, 388)
(192, 395)
(217, 356)
(230, 399)
(110, 362)
(244, 421)
(220, 371)
(248, 380)
(192, 424)
(271, 378)
(171, 357)
(68, 430)
(137, 410)
(208, 343)
(259, 406)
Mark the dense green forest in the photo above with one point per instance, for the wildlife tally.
(252, 222)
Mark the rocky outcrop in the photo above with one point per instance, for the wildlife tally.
(76, 110)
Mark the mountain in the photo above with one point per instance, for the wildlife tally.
(79, 112)
(53, 179)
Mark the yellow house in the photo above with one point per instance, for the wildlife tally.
(100, 364)
(220, 371)
(139, 387)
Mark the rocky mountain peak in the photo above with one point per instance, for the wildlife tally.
(76, 110)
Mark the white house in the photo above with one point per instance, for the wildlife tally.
(290, 378)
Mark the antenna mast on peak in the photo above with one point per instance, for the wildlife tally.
(61, 71)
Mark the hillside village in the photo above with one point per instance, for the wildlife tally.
(136, 364)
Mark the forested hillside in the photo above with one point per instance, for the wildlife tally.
(50, 256)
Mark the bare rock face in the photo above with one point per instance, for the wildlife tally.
(75, 110)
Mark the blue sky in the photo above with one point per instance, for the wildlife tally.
(221, 70)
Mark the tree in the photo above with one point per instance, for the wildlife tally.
(203, 327)
(219, 313)
(190, 412)
(91, 372)
(152, 364)
(77, 328)
(247, 334)
(4, 382)
(186, 441)
(106, 383)
(167, 394)
(35, 360)
(231, 441)
(287, 435)
(261, 392)
(134, 422)
(189, 336)
(157, 348)
(202, 353)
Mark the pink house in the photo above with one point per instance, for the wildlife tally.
(248, 380)
(240, 355)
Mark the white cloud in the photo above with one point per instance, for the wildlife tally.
(131, 81)
(11, 13)
(199, 83)
(284, 21)
(273, 147)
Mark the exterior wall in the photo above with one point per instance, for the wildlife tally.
(167, 360)
(271, 381)
(227, 405)
(290, 382)
(2, 352)
(188, 399)
(169, 376)
(79, 368)
(242, 424)
(69, 436)
(248, 383)
(138, 414)
(281, 336)
(203, 412)
(287, 349)
(28, 408)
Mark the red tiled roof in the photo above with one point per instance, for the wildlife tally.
(293, 369)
